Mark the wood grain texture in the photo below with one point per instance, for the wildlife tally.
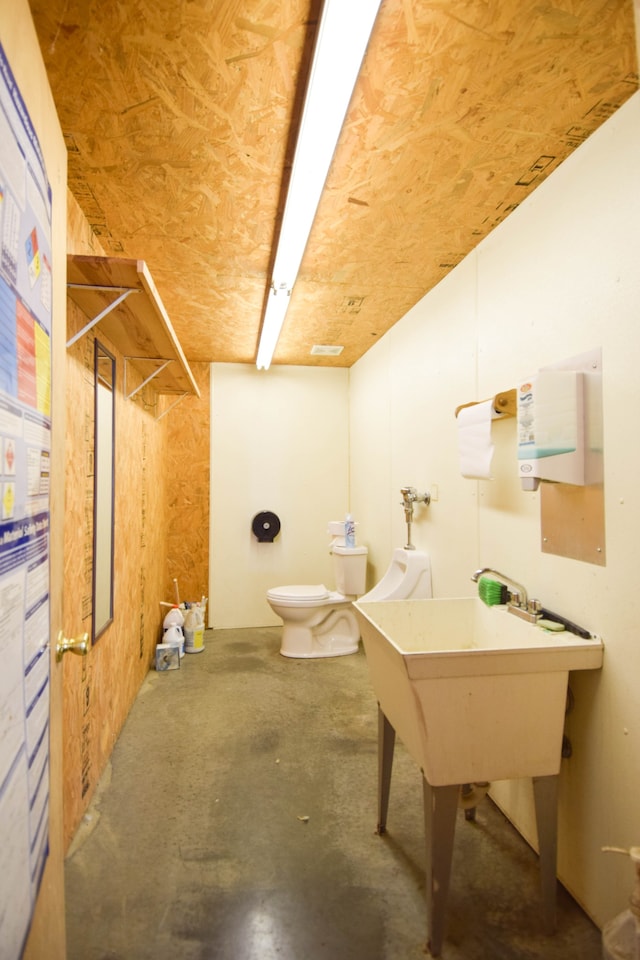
(161, 529)
(100, 688)
(122, 292)
(181, 140)
(187, 469)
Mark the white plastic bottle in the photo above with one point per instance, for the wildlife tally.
(198, 636)
(190, 624)
(174, 618)
(172, 626)
(349, 531)
(174, 637)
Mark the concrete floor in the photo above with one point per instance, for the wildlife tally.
(237, 819)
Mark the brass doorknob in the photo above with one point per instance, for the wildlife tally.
(79, 645)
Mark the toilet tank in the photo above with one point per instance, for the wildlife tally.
(350, 570)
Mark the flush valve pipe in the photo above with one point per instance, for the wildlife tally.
(410, 496)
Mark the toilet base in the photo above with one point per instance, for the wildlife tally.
(337, 636)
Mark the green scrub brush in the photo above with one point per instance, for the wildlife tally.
(492, 592)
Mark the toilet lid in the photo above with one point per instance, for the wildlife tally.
(300, 592)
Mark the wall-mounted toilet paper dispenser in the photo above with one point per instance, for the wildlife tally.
(265, 526)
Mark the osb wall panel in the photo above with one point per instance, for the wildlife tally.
(100, 688)
(193, 102)
(462, 110)
(187, 470)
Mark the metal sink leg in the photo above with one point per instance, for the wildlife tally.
(545, 792)
(440, 806)
(386, 745)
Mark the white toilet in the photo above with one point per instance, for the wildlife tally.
(318, 622)
(321, 623)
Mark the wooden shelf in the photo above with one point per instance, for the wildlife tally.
(138, 325)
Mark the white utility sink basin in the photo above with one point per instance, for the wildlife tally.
(474, 692)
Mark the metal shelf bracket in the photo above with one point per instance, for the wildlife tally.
(163, 364)
(171, 406)
(125, 291)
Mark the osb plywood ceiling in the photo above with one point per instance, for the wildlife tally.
(180, 120)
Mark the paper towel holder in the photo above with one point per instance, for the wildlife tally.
(504, 404)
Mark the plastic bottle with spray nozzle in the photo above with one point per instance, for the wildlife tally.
(349, 531)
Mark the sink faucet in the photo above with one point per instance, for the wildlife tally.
(519, 602)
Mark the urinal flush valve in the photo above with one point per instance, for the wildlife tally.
(410, 496)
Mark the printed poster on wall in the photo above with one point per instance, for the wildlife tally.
(25, 447)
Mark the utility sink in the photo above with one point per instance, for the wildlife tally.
(474, 692)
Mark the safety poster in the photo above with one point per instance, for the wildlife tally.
(25, 448)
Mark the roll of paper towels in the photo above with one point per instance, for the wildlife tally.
(474, 440)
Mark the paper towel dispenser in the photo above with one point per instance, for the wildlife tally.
(551, 428)
(559, 431)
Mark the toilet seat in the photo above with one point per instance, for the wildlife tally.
(299, 593)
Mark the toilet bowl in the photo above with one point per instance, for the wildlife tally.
(317, 622)
(408, 576)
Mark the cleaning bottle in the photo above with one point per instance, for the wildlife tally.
(174, 618)
(190, 623)
(349, 531)
(174, 637)
(621, 936)
(172, 628)
(198, 636)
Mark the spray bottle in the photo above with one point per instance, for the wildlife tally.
(621, 936)
(349, 531)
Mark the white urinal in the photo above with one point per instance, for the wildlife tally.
(408, 576)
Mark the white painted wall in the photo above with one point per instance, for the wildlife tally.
(280, 442)
(560, 276)
(403, 395)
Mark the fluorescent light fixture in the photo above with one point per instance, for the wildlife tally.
(275, 311)
(343, 34)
